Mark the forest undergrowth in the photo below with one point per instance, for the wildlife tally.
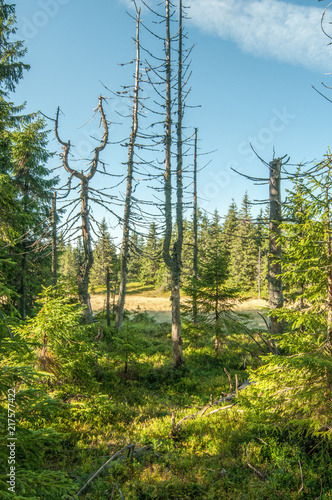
(83, 396)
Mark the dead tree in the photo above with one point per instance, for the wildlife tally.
(176, 267)
(276, 168)
(85, 266)
(329, 255)
(274, 269)
(164, 77)
(129, 187)
(54, 242)
(108, 296)
(173, 261)
(195, 231)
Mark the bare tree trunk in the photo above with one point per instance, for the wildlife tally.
(259, 273)
(83, 277)
(274, 272)
(195, 231)
(173, 262)
(177, 250)
(168, 143)
(85, 266)
(54, 243)
(108, 297)
(329, 259)
(127, 210)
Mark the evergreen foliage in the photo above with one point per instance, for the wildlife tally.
(151, 258)
(105, 257)
(212, 294)
(68, 268)
(135, 252)
(241, 236)
(83, 391)
(295, 387)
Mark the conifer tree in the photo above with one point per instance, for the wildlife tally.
(262, 242)
(150, 261)
(34, 187)
(134, 264)
(104, 258)
(307, 254)
(212, 293)
(188, 251)
(229, 229)
(11, 72)
(247, 254)
(68, 267)
(295, 385)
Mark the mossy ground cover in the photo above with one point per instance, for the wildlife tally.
(128, 395)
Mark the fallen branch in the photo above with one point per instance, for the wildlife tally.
(302, 482)
(222, 408)
(201, 413)
(230, 380)
(256, 471)
(114, 457)
(228, 397)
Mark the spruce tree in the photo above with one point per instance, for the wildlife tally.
(262, 243)
(246, 276)
(151, 258)
(294, 387)
(104, 258)
(68, 268)
(136, 246)
(240, 240)
(11, 72)
(34, 188)
(213, 295)
(229, 230)
(22, 156)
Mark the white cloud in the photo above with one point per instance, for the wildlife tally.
(267, 28)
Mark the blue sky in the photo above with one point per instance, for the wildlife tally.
(253, 68)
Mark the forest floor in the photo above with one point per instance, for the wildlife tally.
(164, 433)
(157, 304)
